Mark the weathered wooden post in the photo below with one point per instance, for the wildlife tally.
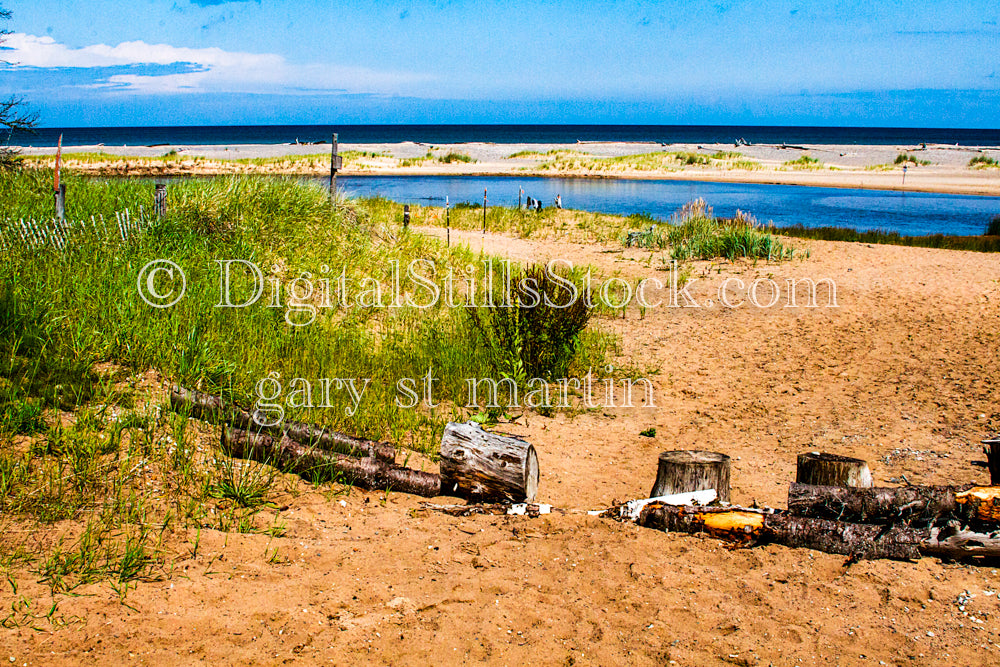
(336, 162)
(683, 471)
(832, 470)
(406, 216)
(485, 466)
(160, 199)
(59, 189)
(520, 193)
(484, 211)
(447, 221)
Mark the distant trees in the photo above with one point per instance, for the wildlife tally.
(13, 115)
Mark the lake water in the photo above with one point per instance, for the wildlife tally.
(915, 214)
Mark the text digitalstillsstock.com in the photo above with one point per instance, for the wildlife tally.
(494, 284)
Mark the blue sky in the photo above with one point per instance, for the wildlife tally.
(179, 62)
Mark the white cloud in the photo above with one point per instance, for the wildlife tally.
(213, 69)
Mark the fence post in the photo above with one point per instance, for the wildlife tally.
(336, 162)
(447, 221)
(484, 211)
(160, 199)
(60, 198)
(406, 216)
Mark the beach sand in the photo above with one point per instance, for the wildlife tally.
(902, 374)
(847, 166)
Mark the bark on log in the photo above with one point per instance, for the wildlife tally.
(859, 541)
(486, 466)
(684, 471)
(913, 505)
(291, 456)
(832, 470)
(207, 407)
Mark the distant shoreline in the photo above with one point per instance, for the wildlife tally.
(932, 168)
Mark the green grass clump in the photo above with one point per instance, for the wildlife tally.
(907, 158)
(455, 157)
(983, 161)
(804, 162)
(695, 233)
(993, 229)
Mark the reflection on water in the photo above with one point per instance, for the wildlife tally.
(906, 213)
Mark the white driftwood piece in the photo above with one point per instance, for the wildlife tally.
(487, 466)
(633, 508)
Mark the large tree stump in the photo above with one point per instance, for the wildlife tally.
(832, 470)
(992, 451)
(684, 471)
(291, 456)
(486, 466)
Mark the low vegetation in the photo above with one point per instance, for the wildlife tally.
(983, 162)
(654, 161)
(695, 233)
(91, 458)
(804, 162)
(974, 243)
(904, 159)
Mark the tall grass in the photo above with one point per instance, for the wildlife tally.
(695, 233)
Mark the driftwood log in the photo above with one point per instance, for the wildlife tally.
(218, 411)
(914, 505)
(859, 541)
(684, 471)
(292, 456)
(487, 466)
(832, 470)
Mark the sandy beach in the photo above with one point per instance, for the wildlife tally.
(902, 374)
(933, 168)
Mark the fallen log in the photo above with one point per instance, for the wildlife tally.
(292, 456)
(912, 505)
(487, 466)
(905, 504)
(824, 469)
(859, 541)
(214, 409)
(684, 471)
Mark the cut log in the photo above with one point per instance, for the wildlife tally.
(914, 505)
(214, 409)
(832, 470)
(291, 456)
(980, 504)
(684, 471)
(487, 466)
(630, 510)
(497, 509)
(992, 451)
(859, 541)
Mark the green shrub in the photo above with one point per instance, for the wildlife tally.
(539, 335)
(993, 229)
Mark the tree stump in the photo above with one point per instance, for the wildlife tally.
(832, 470)
(992, 451)
(684, 471)
(485, 466)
